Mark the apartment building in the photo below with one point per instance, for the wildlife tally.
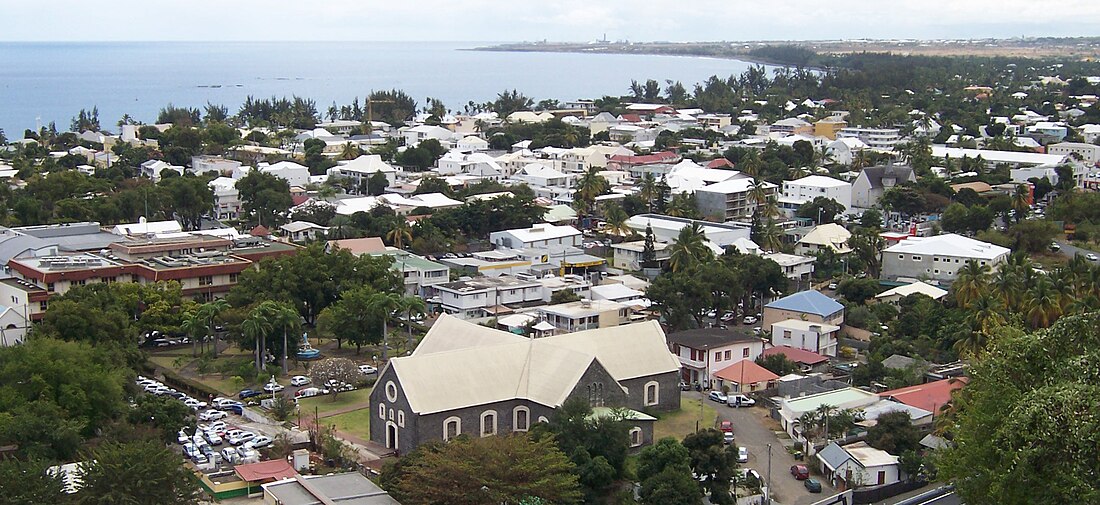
(875, 138)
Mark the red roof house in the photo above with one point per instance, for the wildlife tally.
(800, 356)
(747, 372)
(931, 396)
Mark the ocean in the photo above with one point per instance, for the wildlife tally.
(43, 82)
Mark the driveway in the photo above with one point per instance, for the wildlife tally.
(752, 430)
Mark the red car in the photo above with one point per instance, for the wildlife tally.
(726, 426)
(800, 472)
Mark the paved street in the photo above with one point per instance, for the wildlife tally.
(751, 429)
(1070, 250)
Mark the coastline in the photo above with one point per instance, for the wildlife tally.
(743, 57)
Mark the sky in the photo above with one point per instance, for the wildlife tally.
(529, 20)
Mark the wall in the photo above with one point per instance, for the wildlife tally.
(668, 395)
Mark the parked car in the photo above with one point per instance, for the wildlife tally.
(299, 380)
(749, 320)
(1054, 246)
(242, 437)
(812, 485)
(249, 393)
(729, 316)
(717, 396)
(200, 458)
(235, 409)
(212, 437)
(800, 472)
(742, 454)
(739, 400)
(218, 426)
(832, 286)
(727, 438)
(273, 387)
(685, 386)
(367, 369)
(230, 455)
(726, 426)
(307, 392)
(1090, 257)
(194, 404)
(212, 415)
(259, 442)
(183, 437)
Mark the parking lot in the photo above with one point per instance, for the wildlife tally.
(752, 431)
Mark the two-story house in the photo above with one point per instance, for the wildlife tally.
(810, 306)
(703, 352)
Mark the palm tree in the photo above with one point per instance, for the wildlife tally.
(411, 305)
(209, 311)
(986, 315)
(648, 190)
(1021, 202)
(970, 283)
(615, 218)
(287, 318)
(400, 234)
(1008, 287)
(1043, 305)
(690, 248)
(256, 327)
(589, 186)
(680, 206)
(350, 151)
(339, 227)
(382, 305)
(193, 325)
(860, 159)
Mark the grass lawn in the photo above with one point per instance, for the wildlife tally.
(325, 404)
(680, 423)
(355, 423)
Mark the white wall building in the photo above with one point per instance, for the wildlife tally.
(806, 189)
(875, 138)
(938, 258)
(806, 335)
(293, 173)
(362, 168)
(538, 235)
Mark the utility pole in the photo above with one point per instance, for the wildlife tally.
(768, 495)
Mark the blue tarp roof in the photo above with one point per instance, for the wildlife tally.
(809, 302)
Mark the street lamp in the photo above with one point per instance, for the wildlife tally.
(768, 490)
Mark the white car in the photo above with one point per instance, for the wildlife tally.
(218, 426)
(367, 369)
(749, 320)
(273, 387)
(307, 392)
(212, 415)
(299, 380)
(183, 438)
(241, 437)
(739, 400)
(717, 396)
(742, 455)
(258, 442)
(1090, 257)
(212, 437)
(199, 458)
(189, 449)
(194, 404)
(229, 454)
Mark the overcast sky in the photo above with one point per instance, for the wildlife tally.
(555, 20)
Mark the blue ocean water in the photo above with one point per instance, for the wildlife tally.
(43, 82)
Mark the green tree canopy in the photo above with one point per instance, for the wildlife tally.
(135, 472)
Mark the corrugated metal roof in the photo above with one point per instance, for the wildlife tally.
(809, 302)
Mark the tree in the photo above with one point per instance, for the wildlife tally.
(907, 200)
(894, 433)
(284, 317)
(1022, 428)
(589, 186)
(867, 246)
(970, 282)
(265, 198)
(338, 370)
(256, 328)
(649, 249)
(400, 235)
(411, 305)
(616, 218)
(664, 470)
(163, 413)
(690, 248)
(871, 218)
(508, 102)
(598, 446)
(778, 364)
(30, 482)
(136, 472)
(382, 305)
(822, 210)
(86, 121)
(1032, 235)
(859, 290)
(500, 469)
(714, 461)
(377, 184)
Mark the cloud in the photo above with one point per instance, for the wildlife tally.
(575, 20)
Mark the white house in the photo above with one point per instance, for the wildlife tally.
(938, 258)
(667, 228)
(844, 150)
(471, 144)
(806, 189)
(877, 138)
(301, 231)
(418, 134)
(894, 296)
(227, 200)
(153, 168)
(795, 267)
(486, 296)
(537, 174)
(362, 168)
(872, 182)
(858, 465)
(729, 200)
(13, 325)
(628, 255)
(829, 236)
(1087, 152)
(706, 351)
(289, 171)
(538, 235)
(791, 409)
(206, 163)
(820, 338)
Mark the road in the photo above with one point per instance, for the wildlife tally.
(1069, 250)
(751, 429)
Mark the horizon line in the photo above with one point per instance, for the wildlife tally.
(545, 40)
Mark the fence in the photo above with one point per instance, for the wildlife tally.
(877, 493)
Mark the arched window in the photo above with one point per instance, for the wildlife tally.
(401, 418)
(382, 411)
(635, 436)
(488, 423)
(452, 427)
(521, 418)
(543, 419)
(652, 393)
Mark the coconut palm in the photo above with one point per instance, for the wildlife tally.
(986, 315)
(970, 282)
(647, 190)
(1021, 202)
(401, 234)
(283, 316)
(411, 305)
(681, 205)
(382, 305)
(589, 186)
(209, 311)
(690, 248)
(1008, 286)
(340, 227)
(615, 220)
(1043, 305)
(256, 327)
(350, 151)
(194, 325)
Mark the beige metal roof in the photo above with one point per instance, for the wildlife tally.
(459, 364)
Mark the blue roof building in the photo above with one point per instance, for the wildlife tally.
(808, 305)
